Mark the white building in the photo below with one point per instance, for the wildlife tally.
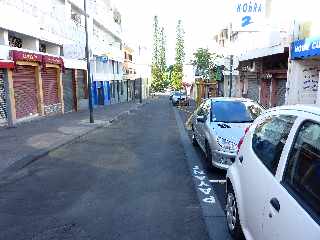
(45, 39)
(304, 63)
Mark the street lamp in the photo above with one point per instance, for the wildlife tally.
(88, 63)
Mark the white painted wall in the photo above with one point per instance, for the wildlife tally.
(303, 82)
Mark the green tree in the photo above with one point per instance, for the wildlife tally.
(204, 61)
(177, 72)
(158, 68)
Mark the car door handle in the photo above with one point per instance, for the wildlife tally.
(241, 159)
(275, 204)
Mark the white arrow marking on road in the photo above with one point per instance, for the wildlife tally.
(201, 178)
(203, 184)
(210, 199)
(206, 191)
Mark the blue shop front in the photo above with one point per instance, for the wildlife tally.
(101, 82)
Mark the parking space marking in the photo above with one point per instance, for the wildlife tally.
(199, 174)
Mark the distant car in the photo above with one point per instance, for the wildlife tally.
(179, 98)
(218, 124)
(273, 188)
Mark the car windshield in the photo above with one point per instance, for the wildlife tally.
(178, 94)
(235, 111)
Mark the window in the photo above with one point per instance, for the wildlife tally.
(302, 174)
(15, 42)
(269, 139)
(235, 111)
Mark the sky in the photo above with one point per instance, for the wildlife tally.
(198, 18)
(201, 19)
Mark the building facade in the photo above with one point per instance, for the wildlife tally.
(260, 64)
(107, 51)
(42, 62)
(304, 63)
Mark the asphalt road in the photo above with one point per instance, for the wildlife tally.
(131, 180)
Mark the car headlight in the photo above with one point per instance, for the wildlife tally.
(226, 144)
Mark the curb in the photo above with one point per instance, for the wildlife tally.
(27, 160)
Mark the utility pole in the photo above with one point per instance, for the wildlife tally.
(231, 61)
(230, 77)
(88, 64)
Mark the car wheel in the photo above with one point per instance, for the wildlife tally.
(233, 221)
(208, 153)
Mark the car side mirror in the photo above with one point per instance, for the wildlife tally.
(201, 118)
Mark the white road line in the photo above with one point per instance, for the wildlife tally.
(218, 181)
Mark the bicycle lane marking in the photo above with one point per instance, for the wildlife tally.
(212, 211)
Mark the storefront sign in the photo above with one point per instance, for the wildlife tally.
(305, 48)
(248, 15)
(25, 56)
(34, 57)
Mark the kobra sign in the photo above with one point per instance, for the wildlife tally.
(248, 14)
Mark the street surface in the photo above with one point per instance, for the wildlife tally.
(139, 178)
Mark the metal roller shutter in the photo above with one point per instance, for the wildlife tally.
(68, 90)
(3, 106)
(81, 85)
(50, 86)
(25, 91)
(50, 90)
(281, 91)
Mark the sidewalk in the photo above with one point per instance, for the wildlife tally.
(27, 142)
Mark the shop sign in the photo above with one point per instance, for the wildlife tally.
(52, 60)
(248, 15)
(305, 48)
(25, 56)
(34, 57)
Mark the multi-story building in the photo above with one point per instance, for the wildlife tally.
(42, 56)
(129, 69)
(107, 51)
(260, 60)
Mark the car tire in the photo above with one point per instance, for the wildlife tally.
(208, 153)
(232, 215)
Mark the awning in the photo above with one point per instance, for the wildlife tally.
(261, 52)
(6, 64)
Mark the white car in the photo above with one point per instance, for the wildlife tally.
(273, 188)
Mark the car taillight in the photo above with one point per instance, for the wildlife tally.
(242, 138)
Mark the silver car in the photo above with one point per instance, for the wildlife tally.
(219, 123)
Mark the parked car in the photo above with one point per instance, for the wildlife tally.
(219, 123)
(179, 98)
(273, 188)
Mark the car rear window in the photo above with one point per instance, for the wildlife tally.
(235, 111)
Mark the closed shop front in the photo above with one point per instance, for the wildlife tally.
(281, 91)
(253, 86)
(68, 94)
(50, 90)
(3, 105)
(265, 93)
(82, 89)
(25, 91)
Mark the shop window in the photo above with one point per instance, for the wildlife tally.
(15, 42)
(43, 48)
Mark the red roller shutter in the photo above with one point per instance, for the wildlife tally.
(25, 90)
(50, 86)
